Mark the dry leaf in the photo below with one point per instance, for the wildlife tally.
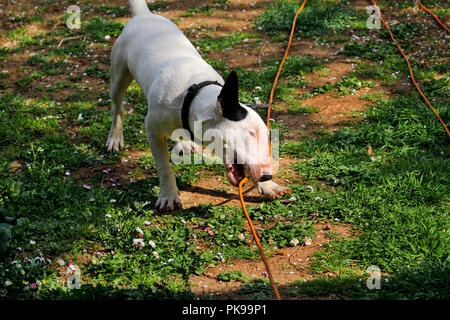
(370, 151)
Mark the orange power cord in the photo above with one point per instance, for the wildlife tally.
(410, 70)
(244, 180)
(434, 16)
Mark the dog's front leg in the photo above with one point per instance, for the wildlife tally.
(271, 190)
(168, 199)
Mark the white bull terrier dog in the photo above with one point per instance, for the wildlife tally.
(182, 90)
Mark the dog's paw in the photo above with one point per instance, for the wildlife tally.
(270, 190)
(115, 142)
(168, 202)
(186, 147)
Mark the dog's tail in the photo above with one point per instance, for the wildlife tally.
(138, 7)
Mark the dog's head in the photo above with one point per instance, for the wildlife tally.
(245, 136)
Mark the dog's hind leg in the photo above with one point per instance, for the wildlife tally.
(120, 80)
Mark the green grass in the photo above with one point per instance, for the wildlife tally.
(259, 82)
(47, 65)
(222, 43)
(205, 9)
(403, 31)
(114, 10)
(317, 18)
(257, 289)
(234, 275)
(344, 286)
(97, 28)
(428, 3)
(397, 198)
(301, 109)
(371, 50)
(21, 37)
(344, 87)
(95, 71)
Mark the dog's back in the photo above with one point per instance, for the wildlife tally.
(153, 48)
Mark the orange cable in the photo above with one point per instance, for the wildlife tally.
(255, 236)
(241, 183)
(434, 16)
(411, 72)
(282, 63)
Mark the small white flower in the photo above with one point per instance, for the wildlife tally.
(107, 37)
(295, 242)
(112, 200)
(32, 242)
(219, 256)
(308, 242)
(152, 244)
(139, 230)
(139, 242)
(155, 254)
(108, 216)
(8, 283)
(147, 223)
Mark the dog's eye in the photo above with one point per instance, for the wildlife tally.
(252, 133)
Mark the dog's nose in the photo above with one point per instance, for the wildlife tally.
(265, 177)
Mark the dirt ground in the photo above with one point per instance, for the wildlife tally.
(287, 265)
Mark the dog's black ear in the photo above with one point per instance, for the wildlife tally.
(229, 99)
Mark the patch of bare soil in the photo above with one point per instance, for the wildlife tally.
(287, 265)
(334, 110)
(212, 188)
(116, 174)
(237, 17)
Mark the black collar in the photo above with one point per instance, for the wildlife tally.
(191, 93)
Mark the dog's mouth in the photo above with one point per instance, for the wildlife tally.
(235, 173)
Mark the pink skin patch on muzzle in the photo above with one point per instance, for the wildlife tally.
(235, 173)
